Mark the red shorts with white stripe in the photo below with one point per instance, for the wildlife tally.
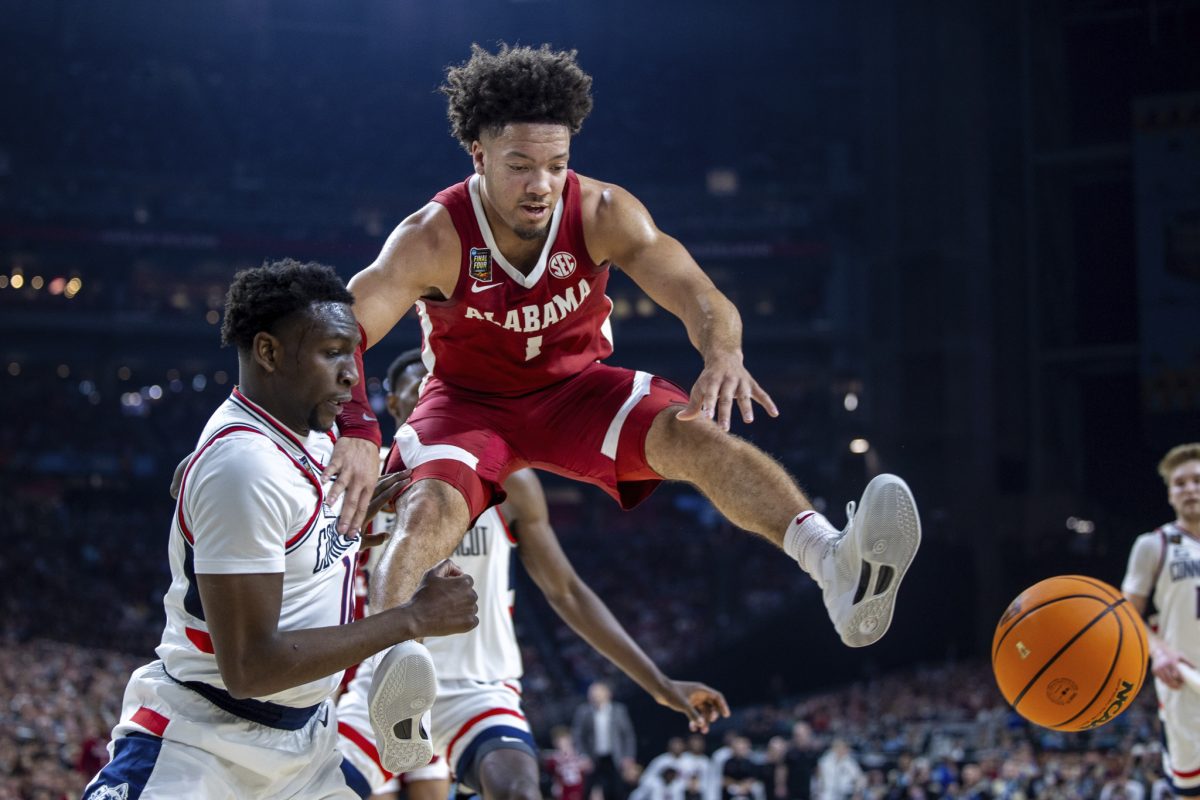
(591, 427)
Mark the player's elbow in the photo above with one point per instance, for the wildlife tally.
(242, 680)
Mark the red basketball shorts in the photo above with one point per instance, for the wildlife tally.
(591, 427)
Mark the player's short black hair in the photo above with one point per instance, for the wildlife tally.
(261, 296)
(402, 362)
(516, 84)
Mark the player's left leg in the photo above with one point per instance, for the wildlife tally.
(859, 569)
(508, 775)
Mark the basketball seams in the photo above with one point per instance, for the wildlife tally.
(1015, 622)
(1066, 646)
(1108, 677)
(1088, 641)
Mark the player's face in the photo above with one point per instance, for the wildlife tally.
(524, 169)
(316, 364)
(1183, 491)
(402, 398)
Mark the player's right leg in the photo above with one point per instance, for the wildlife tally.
(508, 775)
(859, 569)
(1179, 712)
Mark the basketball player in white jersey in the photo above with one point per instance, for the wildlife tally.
(479, 730)
(258, 612)
(1164, 567)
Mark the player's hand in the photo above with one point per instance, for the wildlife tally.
(701, 704)
(723, 382)
(445, 603)
(387, 489)
(1165, 663)
(352, 470)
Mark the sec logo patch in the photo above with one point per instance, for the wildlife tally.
(562, 265)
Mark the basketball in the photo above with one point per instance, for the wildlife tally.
(1070, 653)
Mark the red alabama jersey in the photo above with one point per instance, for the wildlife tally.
(504, 333)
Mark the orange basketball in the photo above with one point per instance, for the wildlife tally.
(1070, 653)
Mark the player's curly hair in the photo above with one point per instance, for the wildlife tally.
(1178, 455)
(261, 296)
(516, 84)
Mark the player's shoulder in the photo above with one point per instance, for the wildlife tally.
(430, 227)
(237, 454)
(598, 196)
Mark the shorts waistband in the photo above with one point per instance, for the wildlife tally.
(273, 715)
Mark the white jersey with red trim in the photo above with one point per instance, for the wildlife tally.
(251, 502)
(489, 652)
(1164, 565)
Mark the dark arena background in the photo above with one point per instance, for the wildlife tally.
(964, 238)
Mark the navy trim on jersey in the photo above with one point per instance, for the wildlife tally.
(467, 767)
(134, 757)
(191, 598)
(355, 780)
(273, 715)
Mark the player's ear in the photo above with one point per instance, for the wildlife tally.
(266, 351)
(477, 156)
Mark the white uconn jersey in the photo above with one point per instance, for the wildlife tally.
(1165, 566)
(488, 652)
(251, 502)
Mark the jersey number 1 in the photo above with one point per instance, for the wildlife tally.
(533, 347)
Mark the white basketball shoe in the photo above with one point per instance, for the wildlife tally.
(861, 569)
(402, 692)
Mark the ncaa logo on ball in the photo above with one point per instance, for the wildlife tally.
(562, 265)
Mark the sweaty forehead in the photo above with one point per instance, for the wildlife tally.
(330, 320)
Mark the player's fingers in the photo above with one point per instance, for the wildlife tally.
(447, 569)
(745, 404)
(373, 540)
(763, 398)
(354, 511)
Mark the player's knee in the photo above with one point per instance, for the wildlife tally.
(517, 787)
(677, 448)
(430, 501)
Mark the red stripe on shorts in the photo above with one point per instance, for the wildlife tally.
(477, 718)
(365, 745)
(152, 721)
(1194, 773)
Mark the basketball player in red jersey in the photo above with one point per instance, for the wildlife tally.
(507, 270)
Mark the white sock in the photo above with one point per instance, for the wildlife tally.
(807, 529)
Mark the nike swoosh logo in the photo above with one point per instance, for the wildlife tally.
(510, 739)
(368, 418)
(483, 287)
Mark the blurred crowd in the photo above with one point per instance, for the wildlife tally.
(935, 733)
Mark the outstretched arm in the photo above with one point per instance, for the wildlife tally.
(621, 230)
(587, 614)
(420, 258)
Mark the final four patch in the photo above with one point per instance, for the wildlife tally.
(481, 264)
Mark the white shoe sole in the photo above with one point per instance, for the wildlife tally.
(404, 688)
(887, 533)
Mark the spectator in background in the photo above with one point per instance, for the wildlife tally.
(838, 772)
(740, 776)
(774, 771)
(604, 734)
(673, 759)
(801, 760)
(566, 766)
(695, 765)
